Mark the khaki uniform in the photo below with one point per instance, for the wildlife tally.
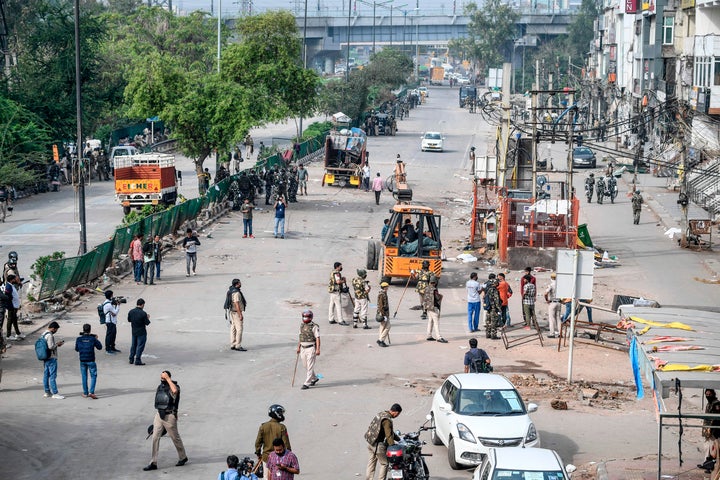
(431, 301)
(309, 338)
(236, 320)
(362, 290)
(378, 451)
(637, 201)
(383, 308)
(335, 309)
(268, 432)
(422, 283)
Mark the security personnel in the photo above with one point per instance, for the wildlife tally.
(335, 288)
(362, 290)
(431, 302)
(423, 278)
(309, 347)
(167, 401)
(271, 430)
(383, 315)
(637, 201)
(590, 186)
(494, 305)
(11, 268)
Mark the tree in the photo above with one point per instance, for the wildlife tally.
(581, 30)
(389, 67)
(490, 32)
(348, 97)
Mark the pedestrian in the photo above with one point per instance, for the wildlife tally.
(235, 303)
(377, 186)
(492, 305)
(157, 253)
(302, 178)
(471, 157)
(111, 308)
(473, 298)
(523, 279)
(4, 201)
(149, 261)
(505, 293)
(309, 347)
(380, 435)
(249, 146)
(271, 430)
(383, 315)
(167, 401)
(136, 255)
(385, 228)
(247, 213)
(708, 434)
(432, 301)
(282, 463)
(361, 285)
(476, 359)
(280, 207)
(232, 469)
(335, 289)
(423, 276)
(50, 365)
(190, 244)
(366, 177)
(553, 307)
(528, 302)
(12, 306)
(85, 345)
(139, 320)
(637, 201)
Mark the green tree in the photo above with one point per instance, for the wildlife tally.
(389, 67)
(581, 30)
(351, 97)
(491, 31)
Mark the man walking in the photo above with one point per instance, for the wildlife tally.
(111, 308)
(271, 430)
(85, 345)
(302, 178)
(280, 207)
(473, 298)
(383, 315)
(50, 365)
(157, 253)
(190, 244)
(247, 212)
(139, 320)
(377, 186)
(423, 277)
(637, 201)
(432, 301)
(528, 300)
(380, 435)
(12, 306)
(309, 347)
(361, 285)
(167, 401)
(149, 262)
(136, 255)
(335, 288)
(235, 302)
(282, 463)
(4, 201)
(553, 307)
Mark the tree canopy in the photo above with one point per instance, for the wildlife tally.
(491, 31)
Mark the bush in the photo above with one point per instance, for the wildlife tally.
(38, 268)
(136, 215)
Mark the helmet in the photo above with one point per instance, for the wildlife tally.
(362, 272)
(472, 148)
(277, 412)
(425, 264)
(592, 174)
(307, 317)
(12, 257)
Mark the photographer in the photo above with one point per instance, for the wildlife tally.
(111, 308)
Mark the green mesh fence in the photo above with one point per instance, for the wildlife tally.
(69, 272)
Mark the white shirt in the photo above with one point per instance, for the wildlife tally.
(473, 291)
(366, 171)
(111, 312)
(15, 296)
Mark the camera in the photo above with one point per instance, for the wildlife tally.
(116, 300)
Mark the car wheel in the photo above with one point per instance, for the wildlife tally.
(434, 437)
(451, 456)
(594, 164)
(126, 210)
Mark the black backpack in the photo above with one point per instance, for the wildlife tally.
(478, 365)
(101, 311)
(147, 248)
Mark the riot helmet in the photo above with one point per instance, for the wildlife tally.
(592, 175)
(362, 272)
(277, 412)
(425, 264)
(307, 317)
(12, 257)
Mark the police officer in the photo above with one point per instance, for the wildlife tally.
(589, 187)
(494, 305)
(11, 268)
(271, 430)
(431, 302)
(471, 156)
(383, 315)
(362, 291)
(423, 277)
(309, 347)
(637, 201)
(167, 401)
(335, 288)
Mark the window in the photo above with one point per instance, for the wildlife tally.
(668, 30)
(716, 72)
(701, 73)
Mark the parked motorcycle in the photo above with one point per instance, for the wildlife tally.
(405, 457)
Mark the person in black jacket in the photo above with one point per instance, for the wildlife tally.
(139, 320)
(85, 345)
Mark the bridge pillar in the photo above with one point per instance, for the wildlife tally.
(329, 66)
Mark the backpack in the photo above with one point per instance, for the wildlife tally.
(147, 248)
(373, 432)
(101, 311)
(41, 348)
(478, 365)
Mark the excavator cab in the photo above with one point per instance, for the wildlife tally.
(413, 235)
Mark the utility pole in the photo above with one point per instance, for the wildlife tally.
(304, 55)
(683, 199)
(82, 250)
(534, 107)
(571, 114)
(505, 125)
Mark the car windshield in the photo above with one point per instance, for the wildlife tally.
(433, 136)
(583, 151)
(489, 402)
(501, 474)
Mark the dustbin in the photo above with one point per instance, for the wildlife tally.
(584, 239)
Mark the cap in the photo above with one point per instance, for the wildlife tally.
(384, 284)
(362, 272)
(553, 275)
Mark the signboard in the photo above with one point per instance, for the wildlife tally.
(631, 6)
(566, 273)
(494, 79)
(142, 185)
(486, 168)
(700, 227)
(685, 4)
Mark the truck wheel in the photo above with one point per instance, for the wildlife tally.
(126, 210)
(371, 260)
(378, 255)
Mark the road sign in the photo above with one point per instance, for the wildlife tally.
(567, 273)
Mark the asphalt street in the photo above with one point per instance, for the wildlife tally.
(225, 394)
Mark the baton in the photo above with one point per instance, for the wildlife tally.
(292, 383)
(401, 296)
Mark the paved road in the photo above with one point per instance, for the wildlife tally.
(226, 393)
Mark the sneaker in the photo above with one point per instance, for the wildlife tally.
(187, 275)
(109, 352)
(442, 340)
(244, 236)
(312, 383)
(332, 322)
(282, 236)
(366, 327)
(378, 342)
(344, 323)
(57, 396)
(12, 337)
(252, 236)
(84, 395)
(304, 387)
(22, 335)
(47, 395)
(241, 349)
(383, 344)
(194, 273)
(354, 325)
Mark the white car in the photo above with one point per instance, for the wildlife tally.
(522, 464)
(473, 412)
(432, 141)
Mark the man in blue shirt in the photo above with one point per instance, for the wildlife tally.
(231, 473)
(280, 206)
(85, 345)
(476, 359)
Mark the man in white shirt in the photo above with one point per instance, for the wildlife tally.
(473, 299)
(111, 309)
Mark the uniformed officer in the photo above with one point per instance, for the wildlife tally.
(494, 304)
(423, 277)
(431, 302)
(335, 288)
(362, 291)
(383, 315)
(637, 201)
(271, 430)
(309, 347)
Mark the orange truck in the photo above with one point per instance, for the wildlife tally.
(144, 179)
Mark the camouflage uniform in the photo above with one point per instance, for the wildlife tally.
(362, 289)
(422, 283)
(637, 201)
(492, 319)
